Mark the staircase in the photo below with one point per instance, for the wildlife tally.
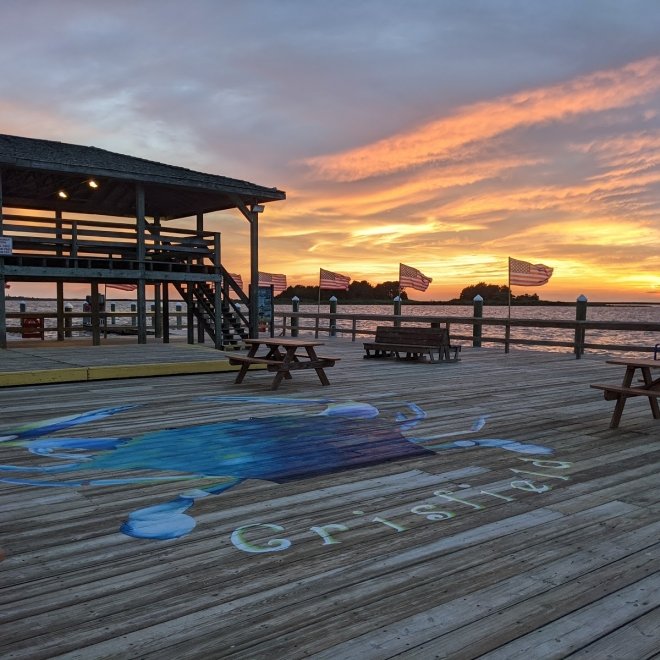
(234, 327)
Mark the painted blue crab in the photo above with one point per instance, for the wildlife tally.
(344, 435)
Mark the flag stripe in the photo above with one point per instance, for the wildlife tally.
(278, 281)
(238, 279)
(413, 278)
(122, 287)
(523, 273)
(330, 280)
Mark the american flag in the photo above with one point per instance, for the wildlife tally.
(523, 273)
(413, 278)
(278, 281)
(238, 279)
(122, 287)
(330, 280)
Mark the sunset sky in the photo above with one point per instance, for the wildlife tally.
(444, 134)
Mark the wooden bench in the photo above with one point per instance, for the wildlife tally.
(414, 342)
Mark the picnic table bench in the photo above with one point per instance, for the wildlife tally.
(282, 357)
(415, 342)
(648, 387)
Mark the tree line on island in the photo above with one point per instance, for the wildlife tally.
(362, 292)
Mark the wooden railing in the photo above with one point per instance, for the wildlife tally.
(76, 239)
(576, 330)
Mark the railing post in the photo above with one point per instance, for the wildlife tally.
(580, 315)
(22, 306)
(113, 307)
(68, 321)
(179, 314)
(478, 306)
(333, 319)
(397, 310)
(133, 310)
(295, 307)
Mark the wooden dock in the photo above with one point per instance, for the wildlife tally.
(437, 529)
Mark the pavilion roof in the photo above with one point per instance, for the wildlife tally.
(34, 171)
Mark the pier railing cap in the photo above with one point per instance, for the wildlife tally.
(582, 298)
(333, 298)
(477, 298)
(397, 298)
(295, 299)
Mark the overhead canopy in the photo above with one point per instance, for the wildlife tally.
(35, 171)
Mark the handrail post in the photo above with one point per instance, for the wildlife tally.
(507, 335)
(580, 315)
(68, 321)
(397, 311)
(295, 307)
(333, 319)
(478, 306)
(354, 329)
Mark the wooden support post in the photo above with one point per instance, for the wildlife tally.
(158, 319)
(60, 283)
(60, 309)
(96, 317)
(295, 307)
(333, 319)
(166, 313)
(201, 335)
(397, 311)
(3, 305)
(141, 289)
(254, 274)
(478, 307)
(580, 315)
(190, 315)
(217, 292)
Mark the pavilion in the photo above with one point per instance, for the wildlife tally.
(62, 219)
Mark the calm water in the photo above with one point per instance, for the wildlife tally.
(646, 313)
(631, 312)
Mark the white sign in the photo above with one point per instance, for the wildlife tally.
(5, 245)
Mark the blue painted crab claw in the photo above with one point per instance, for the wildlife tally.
(349, 409)
(508, 445)
(39, 429)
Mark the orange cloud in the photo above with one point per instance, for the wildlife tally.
(604, 90)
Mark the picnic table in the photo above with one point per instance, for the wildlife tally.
(648, 387)
(282, 356)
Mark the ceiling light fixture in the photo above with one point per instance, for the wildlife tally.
(258, 208)
(62, 194)
(92, 184)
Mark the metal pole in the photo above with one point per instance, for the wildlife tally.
(397, 310)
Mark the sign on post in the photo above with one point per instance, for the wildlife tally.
(6, 246)
(266, 309)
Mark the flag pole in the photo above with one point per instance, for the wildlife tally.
(318, 304)
(509, 287)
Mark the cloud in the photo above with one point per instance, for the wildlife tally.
(439, 139)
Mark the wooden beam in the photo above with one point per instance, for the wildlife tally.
(3, 305)
(141, 293)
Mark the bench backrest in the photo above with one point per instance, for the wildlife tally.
(412, 336)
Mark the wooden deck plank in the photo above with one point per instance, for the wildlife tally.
(577, 533)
